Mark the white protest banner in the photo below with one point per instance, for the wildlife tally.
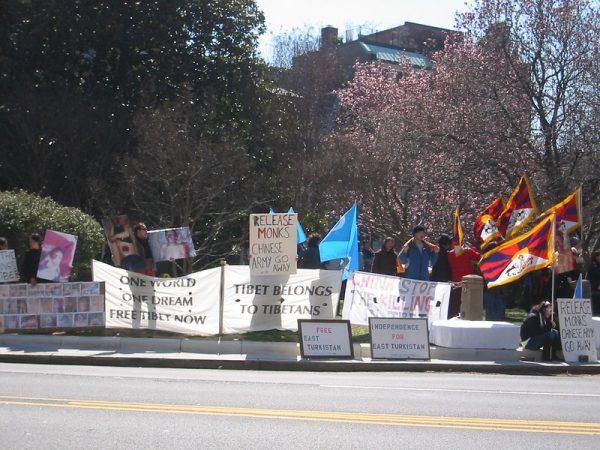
(188, 304)
(273, 244)
(370, 295)
(8, 266)
(576, 329)
(325, 339)
(396, 338)
(254, 303)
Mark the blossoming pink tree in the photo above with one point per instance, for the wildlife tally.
(518, 92)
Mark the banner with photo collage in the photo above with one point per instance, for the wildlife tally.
(51, 306)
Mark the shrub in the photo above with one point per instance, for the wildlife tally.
(22, 213)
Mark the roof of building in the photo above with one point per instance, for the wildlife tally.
(396, 55)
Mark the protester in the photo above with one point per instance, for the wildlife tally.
(593, 275)
(539, 331)
(367, 256)
(384, 262)
(441, 270)
(31, 260)
(311, 259)
(140, 231)
(3, 243)
(418, 255)
(463, 261)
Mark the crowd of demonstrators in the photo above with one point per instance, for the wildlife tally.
(539, 331)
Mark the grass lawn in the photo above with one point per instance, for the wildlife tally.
(360, 334)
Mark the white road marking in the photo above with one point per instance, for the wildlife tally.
(472, 391)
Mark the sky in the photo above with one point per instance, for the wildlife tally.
(283, 15)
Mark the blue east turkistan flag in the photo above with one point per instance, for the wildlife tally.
(579, 288)
(301, 234)
(342, 241)
(271, 211)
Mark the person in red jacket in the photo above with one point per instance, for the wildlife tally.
(463, 261)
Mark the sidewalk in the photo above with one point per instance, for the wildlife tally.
(251, 355)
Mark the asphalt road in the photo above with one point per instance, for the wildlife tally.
(104, 407)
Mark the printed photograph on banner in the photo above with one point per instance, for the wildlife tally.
(54, 290)
(81, 320)
(37, 290)
(58, 305)
(48, 321)
(64, 321)
(10, 306)
(4, 291)
(96, 319)
(22, 306)
(11, 322)
(122, 244)
(47, 305)
(72, 289)
(28, 321)
(8, 266)
(18, 290)
(171, 244)
(70, 305)
(33, 305)
(83, 304)
(97, 303)
(56, 260)
(90, 288)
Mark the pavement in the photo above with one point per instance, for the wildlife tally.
(54, 406)
(251, 355)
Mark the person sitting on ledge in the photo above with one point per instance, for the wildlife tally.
(539, 330)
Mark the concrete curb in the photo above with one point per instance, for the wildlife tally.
(304, 365)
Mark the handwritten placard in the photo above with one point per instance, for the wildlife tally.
(325, 339)
(8, 266)
(399, 338)
(577, 329)
(273, 246)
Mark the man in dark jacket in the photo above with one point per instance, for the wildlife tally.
(311, 258)
(385, 261)
(539, 330)
(441, 270)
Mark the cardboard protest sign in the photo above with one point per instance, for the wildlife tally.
(122, 244)
(188, 304)
(273, 244)
(8, 266)
(52, 306)
(577, 329)
(325, 339)
(399, 338)
(56, 260)
(370, 295)
(254, 303)
(171, 244)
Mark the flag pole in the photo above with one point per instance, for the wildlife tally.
(552, 295)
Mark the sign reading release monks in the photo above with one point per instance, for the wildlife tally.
(396, 338)
(576, 329)
(273, 243)
(325, 339)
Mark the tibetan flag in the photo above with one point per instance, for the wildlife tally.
(485, 228)
(511, 260)
(568, 212)
(342, 241)
(519, 210)
(457, 233)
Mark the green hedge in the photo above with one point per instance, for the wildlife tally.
(22, 213)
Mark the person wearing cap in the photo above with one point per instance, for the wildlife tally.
(539, 331)
(418, 255)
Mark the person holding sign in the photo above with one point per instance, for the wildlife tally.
(32, 259)
(539, 330)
